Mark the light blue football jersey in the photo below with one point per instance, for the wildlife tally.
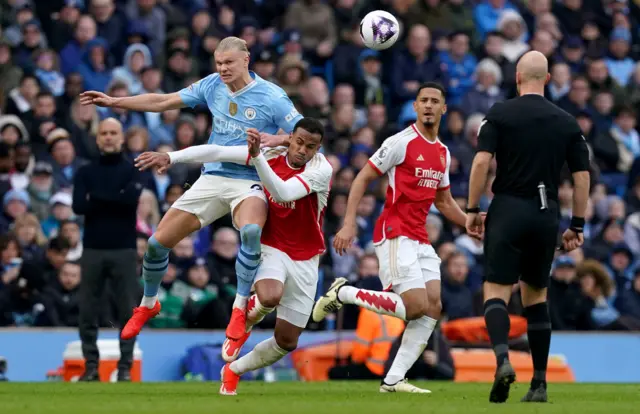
(261, 105)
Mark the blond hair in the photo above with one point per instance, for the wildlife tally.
(153, 218)
(232, 43)
(30, 220)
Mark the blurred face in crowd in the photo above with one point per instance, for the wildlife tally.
(146, 5)
(173, 193)
(137, 142)
(97, 56)
(10, 134)
(45, 106)
(29, 88)
(171, 274)
(61, 212)
(419, 40)
(613, 233)
(377, 116)
(293, 76)
(69, 15)
(146, 205)
(543, 42)
(626, 121)
(250, 35)
(110, 138)
(335, 164)
(302, 147)
(560, 74)
(603, 103)
(512, 29)
(119, 92)
(586, 124)
(185, 135)
(151, 80)
(573, 4)
(102, 10)
(368, 267)
(10, 252)
(184, 248)
(141, 247)
(359, 160)
(460, 45)
(597, 71)
(85, 30)
(620, 261)
(486, 78)
(198, 276)
(24, 15)
(580, 91)
(457, 268)
(45, 61)
(344, 178)
(494, 45)
(636, 283)
(365, 136)
(343, 95)
(42, 182)
(619, 48)
(26, 232)
(455, 123)
(231, 64)
(73, 84)
(573, 54)
(339, 205)
(69, 276)
(366, 206)
(265, 69)
(225, 243)
(63, 152)
(371, 66)
(344, 116)
(31, 36)
(430, 106)
(200, 22)
(57, 258)
(446, 250)
(136, 62)
(71, 232)
(316, 93)
(5, 54)
(565, 274)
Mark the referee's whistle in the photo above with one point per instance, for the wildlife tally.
(542, 192)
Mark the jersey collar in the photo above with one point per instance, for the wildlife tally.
(415, 128)
(249, 86)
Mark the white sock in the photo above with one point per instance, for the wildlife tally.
(384, 303)
(256, 312)
(414, 341)
(240, 301)
(149, 301)
(264, 354)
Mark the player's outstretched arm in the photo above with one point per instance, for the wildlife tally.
(210, 153)
(148, 102)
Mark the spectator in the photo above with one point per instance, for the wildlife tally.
(136, 58)
(10, 74)
(95, 67)
(63, 157)
(72, 55)
(316, 24)
(149, 13)
(111, 24)
(619, 64)
(457, 297)
(16, 204)
(487, 90)
(620, 145)
(106, 192)
(128, 119)
(70, 231)
(514, 30)
(459, 67)
(30, 237)
(628, 302)
(569, 309)
(148, 214)
(61, 297)
(487, 14)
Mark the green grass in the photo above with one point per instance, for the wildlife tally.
(304, 398)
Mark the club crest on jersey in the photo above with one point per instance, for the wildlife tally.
(443, 160)
(250, 113)
(233, 108)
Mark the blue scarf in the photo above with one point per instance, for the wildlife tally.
(631, 140)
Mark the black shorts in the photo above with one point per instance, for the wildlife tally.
(520, 241)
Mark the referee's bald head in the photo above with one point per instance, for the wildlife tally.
(533, 69)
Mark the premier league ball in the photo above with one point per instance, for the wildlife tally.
(379, 30)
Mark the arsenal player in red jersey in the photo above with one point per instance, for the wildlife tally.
(417, 165)
(296, 182)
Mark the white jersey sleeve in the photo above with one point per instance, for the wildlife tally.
(445, 183)
(316, 176)
(391, 153)
(210, 153)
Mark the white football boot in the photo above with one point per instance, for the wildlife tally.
(329, 302)
(403, 386)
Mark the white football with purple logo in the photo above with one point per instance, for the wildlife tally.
(379, 30)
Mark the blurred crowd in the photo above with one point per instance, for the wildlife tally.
(50, 51)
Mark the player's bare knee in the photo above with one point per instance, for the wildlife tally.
(269, 292)
(415, 309)
(270, 299)
(286, 340)
(434, 309)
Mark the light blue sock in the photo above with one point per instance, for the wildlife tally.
(154, 266)
(248, 259)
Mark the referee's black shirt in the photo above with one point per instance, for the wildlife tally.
(531, 139)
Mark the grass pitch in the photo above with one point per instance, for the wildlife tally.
(304, 398)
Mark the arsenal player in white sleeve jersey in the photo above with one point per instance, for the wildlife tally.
(417, 165)
(296, 182)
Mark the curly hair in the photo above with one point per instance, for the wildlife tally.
(599, 273)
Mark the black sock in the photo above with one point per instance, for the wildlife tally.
(539, 333)
(498, 324)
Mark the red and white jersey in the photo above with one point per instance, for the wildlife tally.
(295, 227)
(417, 169)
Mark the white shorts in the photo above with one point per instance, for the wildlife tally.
(407, 264)
(300, 279)
(213, 196)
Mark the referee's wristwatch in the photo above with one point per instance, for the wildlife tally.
(472, 210)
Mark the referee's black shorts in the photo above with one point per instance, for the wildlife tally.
(520, 241)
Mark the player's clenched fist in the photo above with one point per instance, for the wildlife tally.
(150, 159)
(344, 238)
(253, 142)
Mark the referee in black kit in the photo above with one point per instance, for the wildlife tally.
(531, 139)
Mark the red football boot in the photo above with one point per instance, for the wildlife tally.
(140, 317)
(237, 325)
(229, 381)
(231, 349)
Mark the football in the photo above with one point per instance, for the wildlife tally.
(379, 30)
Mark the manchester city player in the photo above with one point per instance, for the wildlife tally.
(238, 100)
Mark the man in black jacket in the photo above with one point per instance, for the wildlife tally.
(106, 192)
